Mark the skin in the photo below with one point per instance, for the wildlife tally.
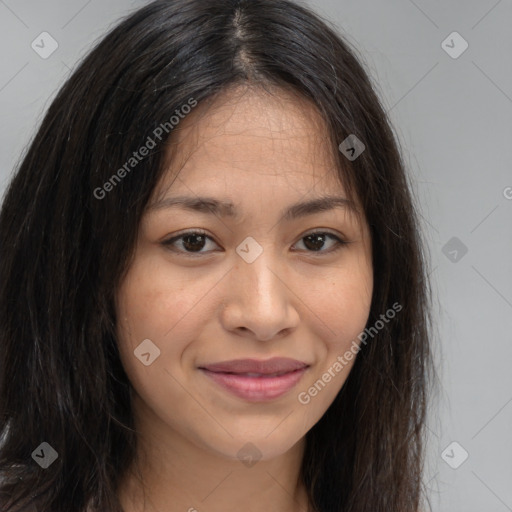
(264, 153)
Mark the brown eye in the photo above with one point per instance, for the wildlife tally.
(189, 242)
(315, 242)
(193, 243)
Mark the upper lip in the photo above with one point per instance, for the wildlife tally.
(268, 366)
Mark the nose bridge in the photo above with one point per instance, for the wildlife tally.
(256, 269)
(258, 299)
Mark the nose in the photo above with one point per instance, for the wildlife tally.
(259, 300)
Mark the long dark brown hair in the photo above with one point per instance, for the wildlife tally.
(64, 252)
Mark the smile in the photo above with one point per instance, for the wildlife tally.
(256, 381)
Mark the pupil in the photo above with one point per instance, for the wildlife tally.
(317, 246)
(193, 245)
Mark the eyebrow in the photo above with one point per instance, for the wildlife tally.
(213, 206)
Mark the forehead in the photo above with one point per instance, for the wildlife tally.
(273, 142)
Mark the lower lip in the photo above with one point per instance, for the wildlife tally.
(256, 389)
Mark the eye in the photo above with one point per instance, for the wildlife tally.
(192, 242)
(316, 240)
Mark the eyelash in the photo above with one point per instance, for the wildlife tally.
(340, 243)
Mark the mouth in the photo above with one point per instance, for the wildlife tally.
(256, 380)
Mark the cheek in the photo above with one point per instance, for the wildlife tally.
(153, 301)
(152, 305)
(343, 305)
(344, 311)
(350, 310)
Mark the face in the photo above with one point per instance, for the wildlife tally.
(235, 312)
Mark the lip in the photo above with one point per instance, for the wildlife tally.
(256, 380)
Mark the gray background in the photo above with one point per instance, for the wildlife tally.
(453, 119)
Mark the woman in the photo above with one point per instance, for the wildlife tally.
(289, 361)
